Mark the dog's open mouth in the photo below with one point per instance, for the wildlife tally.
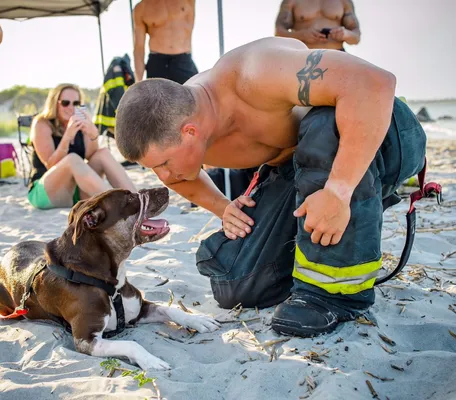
(152, 227)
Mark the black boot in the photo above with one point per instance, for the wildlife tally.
(305, 314)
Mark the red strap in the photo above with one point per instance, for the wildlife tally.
(16, 313)
(253, 183)
(425, 190)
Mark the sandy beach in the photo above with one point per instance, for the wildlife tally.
(410, 352)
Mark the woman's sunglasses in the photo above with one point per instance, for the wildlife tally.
(66, 103)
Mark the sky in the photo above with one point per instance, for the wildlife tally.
(414, 39)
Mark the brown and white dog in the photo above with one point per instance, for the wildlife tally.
(101, 234)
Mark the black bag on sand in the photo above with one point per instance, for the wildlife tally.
(256, 270)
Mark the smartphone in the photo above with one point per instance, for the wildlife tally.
(325, 31)
(78, 111)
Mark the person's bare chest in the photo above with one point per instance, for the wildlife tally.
(256, 137)
(160, 13)
(310, 10)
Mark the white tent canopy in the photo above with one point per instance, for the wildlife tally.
(28, 9)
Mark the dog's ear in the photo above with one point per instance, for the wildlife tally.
(74, 211)
(87, 219)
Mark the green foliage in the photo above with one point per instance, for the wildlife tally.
(29, 100)
(112, 365)
(142, 380)
(7, 128)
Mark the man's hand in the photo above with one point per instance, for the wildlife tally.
(235, 222)
(339, 34)
(311, 35)
(327, 216)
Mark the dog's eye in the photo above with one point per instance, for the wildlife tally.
(131, 198)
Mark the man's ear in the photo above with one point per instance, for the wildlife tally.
(87, 219)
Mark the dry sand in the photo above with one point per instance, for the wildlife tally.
(417, 311)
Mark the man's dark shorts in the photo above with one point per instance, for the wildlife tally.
(175, 67)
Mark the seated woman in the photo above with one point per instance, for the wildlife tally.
(67, 163)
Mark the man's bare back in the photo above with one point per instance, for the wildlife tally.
(307, 20)
(169, 25)
(258, 129)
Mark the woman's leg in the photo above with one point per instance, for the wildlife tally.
(61, 180)
(103, 163)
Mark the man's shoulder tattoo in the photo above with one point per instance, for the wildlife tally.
(309, 73)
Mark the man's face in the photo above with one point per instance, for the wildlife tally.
(175, 163)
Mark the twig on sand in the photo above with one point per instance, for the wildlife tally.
(372, 390)
(365, 321)
(436, 230)
(235, 308)
(171, 297)
(165, 335)
(181, 305)
(378, 377)
(238, 312)
(387, 349)
(254, 338)
(272, 342)
(452, 333)
(231, 321)
(386, 339)
(447, 255)
(157, 390)
(162, 282)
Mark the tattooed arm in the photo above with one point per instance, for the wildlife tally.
(350, 22)
(363, 96)
(349, 31)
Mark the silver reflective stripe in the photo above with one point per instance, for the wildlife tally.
(322, 278)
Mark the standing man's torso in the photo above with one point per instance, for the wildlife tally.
(319, 14)
(261, 129)
(169, 24)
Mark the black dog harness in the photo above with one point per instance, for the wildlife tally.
(74, 277)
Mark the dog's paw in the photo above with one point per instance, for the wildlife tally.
(148, 361)
(201, 323)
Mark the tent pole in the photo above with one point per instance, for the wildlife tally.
(220, 27)
(226, 171)
(132, 23)
(101, 44)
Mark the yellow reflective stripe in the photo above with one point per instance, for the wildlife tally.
(113, 83)
(346, 280)
(335, 288)
(103, 120)
(336, 272)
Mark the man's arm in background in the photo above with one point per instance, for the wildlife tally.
(139, 43)
(351, 23)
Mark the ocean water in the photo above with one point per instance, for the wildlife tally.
(439, 129)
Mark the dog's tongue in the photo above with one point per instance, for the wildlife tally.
(154, 226)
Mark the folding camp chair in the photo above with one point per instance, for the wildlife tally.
(25, 121)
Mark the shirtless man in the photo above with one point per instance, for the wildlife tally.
(255, 106)
(169, 24)
(320, 24)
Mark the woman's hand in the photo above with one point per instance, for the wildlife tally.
(88, 128)
(235, 222)
(73, 127)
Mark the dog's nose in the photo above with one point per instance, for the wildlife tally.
(161, 194)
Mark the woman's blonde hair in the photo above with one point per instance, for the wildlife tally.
(49, 112)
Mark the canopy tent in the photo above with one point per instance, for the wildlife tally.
(28, 9)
